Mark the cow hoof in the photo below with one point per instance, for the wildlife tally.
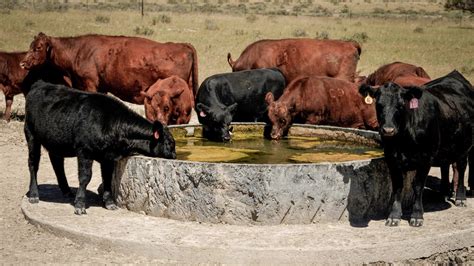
(33, 199)
(80, 211)
(392, 222)
(111, 206)
(416, 222)
(460, 203)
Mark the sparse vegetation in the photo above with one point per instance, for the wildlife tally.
(142, 30)
(418, 30)
(299, 33)
(210, 25)
(163, 19)
(102, 19)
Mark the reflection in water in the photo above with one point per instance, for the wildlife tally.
(257, 150)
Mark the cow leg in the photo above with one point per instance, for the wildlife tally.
(8, 107)
(418, 186)
(85, 174)
(470, 179)
(58, 166)
(107, 168)
(34, 155)
(445, 185)
(397, 185)
(461, 189)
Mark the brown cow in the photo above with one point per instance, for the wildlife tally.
(169, 101)
(123, 66)
(320, 100)
(398, 72)
(15, 80)
(301, 57)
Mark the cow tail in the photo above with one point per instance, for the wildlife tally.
(230, 61)
(359, 49)
(420, 72)
(194, 72)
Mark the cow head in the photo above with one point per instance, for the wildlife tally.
(392, 104)
(162, 143)
(216, 121)
(280, 116)
(160, 99)
(39, 52)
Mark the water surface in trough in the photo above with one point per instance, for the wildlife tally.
(254, 149)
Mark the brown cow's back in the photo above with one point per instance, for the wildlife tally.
(338, 103)
(406, 74)
(302, 57)
(123, 66)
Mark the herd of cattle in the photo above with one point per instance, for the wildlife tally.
(422, 122)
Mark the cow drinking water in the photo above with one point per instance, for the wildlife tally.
(237, 96)
(90, 126)
(424, 127)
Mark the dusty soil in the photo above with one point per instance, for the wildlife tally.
(22, 242)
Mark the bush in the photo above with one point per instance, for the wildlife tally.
(143, 31)
(102, 19)
(323, 35)
(418, 30)
(210, 25)
(164, 19)
(299, 33)
(360, 37)
(29, 23)
(252, 18)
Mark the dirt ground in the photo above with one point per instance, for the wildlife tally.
(22, 242)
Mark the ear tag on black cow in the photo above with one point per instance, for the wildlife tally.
(413, 103)
(156, 135)
(368, 99)
(202, 114)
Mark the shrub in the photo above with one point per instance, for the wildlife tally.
(143, 31)
(299, 33)
(252, 18)
(418, 30)
(323, 35)
(210, 25)
(360, 37)
(164, 19)
(102, 19)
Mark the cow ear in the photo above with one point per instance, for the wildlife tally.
(157, 130)
(232, 108)
(202, 109)
(269, 98)
(367, 90)
(177, 93)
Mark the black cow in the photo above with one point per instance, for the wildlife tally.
(238, 97)
(423, 127)
(89, 126)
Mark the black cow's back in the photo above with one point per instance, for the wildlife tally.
(64, 119)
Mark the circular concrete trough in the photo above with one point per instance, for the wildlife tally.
(259, 194)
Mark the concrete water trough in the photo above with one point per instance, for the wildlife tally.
(258, 194)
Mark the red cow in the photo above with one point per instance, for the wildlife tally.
(401, 73)
(301, 57)
(15, 80)
(11, 77)
(320, 100)
(169, 101)
(123, 66)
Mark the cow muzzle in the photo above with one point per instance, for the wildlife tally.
(388, 131)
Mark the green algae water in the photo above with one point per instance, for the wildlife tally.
(254, 149)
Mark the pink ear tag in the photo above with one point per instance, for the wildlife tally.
(414, 103)
(202, 114)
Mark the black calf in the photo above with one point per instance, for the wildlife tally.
(89, 126)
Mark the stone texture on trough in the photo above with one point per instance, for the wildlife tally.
(253, 193)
